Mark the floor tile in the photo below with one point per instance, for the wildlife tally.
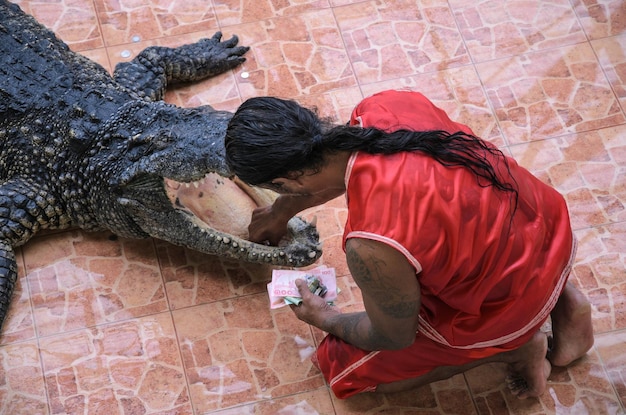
(126, 22)
(612, 56)
(99, 56)
(220, 92)
(331, 218)
(73, 21)
(293, 56)
(540, 95)
(22, 389)
(391, 39)
(601, 18)
(120, 368)
(192, 278)
(445, 397)
(232, 12)
(336, 105)
(495, 29)
(307, 403)
(238, 352)
(600, 272)
(586, 168)
(612, 350)
(80, 280)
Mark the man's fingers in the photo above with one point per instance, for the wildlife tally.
(302, 287)
(304, 290)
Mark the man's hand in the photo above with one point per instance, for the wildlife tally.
(266, 225)
(313, 310)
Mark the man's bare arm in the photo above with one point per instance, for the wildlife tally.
(270, 222)
(391, 297)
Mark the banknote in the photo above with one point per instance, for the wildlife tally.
(282, 289)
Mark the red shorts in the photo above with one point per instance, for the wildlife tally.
(350, 370)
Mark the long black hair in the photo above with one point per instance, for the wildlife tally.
(268, 138)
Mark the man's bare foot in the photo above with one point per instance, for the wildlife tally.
(529, 368)
(571, 327)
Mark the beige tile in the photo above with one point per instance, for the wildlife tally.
(612, 350)
(99, 56)
(128, 21)
(80, 280)
(192, 278)
(219, 91)
(74, 21)
(445, 397)
(314, 402)
(601, 18)
(293, 56)
(612, 56)
(22, 389)
(128, 367)
(391, 39)
(541, 95)
(496, 29)
(337, 105)
(586, 168)
(600, 272)
(238, 351)
(331, 218)
(230, 12)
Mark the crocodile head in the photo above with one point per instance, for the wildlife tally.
(178, 188)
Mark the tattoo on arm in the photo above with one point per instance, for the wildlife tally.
(393, 307)
(351, 330)
(371, 277)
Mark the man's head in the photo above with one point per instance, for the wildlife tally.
(270, 138)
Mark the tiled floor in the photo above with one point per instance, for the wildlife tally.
(104, 325)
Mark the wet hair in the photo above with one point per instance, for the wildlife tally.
(268, 138)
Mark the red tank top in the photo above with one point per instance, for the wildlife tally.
(486, 277)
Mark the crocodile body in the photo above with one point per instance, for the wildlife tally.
(82, 148)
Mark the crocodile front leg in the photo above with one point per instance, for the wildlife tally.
(8, 277)
(25, 208)
(149, 72)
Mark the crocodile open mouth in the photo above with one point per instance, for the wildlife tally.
(223, 204)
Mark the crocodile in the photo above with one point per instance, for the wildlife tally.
(81, 148)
